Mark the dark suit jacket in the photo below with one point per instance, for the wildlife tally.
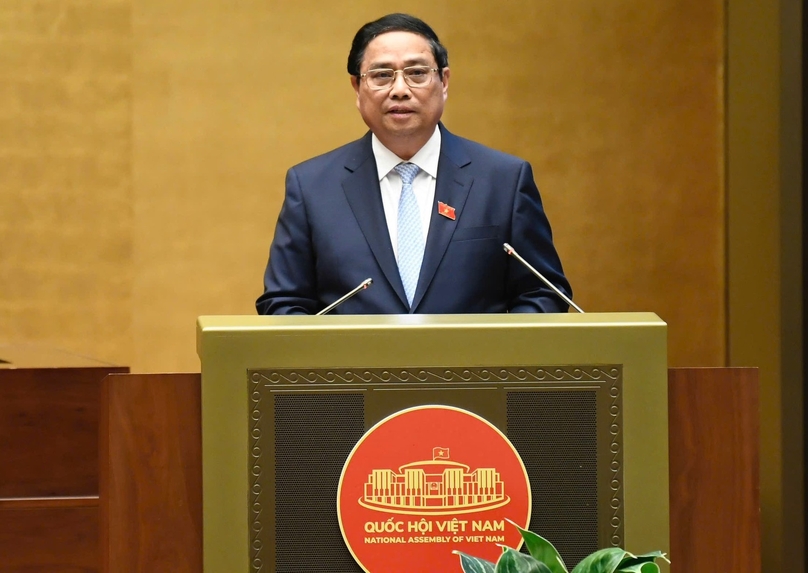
(332, 234)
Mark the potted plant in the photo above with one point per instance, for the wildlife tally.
(544, 558)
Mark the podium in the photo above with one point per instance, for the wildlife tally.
(583, 398)
(151, 425)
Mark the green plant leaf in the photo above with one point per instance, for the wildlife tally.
(603, 561)
(646, 567)
(542, 550)
(511, 561)
(644, 563)
(471, 564)
(630, 559)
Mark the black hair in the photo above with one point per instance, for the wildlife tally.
(395, 23)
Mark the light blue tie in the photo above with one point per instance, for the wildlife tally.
(410, 237)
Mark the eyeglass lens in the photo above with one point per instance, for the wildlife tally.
(414, 76)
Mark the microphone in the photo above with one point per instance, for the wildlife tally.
(512, 252)
(361, 286)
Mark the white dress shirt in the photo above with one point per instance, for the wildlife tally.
(423, 186)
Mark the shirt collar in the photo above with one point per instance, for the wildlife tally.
(426, 158)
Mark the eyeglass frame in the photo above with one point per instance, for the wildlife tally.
(401, 71)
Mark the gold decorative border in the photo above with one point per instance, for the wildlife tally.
(256, 547)
(295, 378)
(353, 376)
(616, 466)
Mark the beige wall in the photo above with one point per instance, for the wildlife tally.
(143, 146)
(149, 141)
(67, 205)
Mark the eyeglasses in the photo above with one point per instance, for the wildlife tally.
(384, 78)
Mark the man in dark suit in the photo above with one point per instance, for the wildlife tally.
(422, 212)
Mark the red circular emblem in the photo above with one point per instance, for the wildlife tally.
(427, 481)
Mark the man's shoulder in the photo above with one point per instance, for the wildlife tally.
(350, 154)
(463, 148)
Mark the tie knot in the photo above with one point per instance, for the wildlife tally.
(407, 171)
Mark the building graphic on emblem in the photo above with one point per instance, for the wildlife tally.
(434, 487)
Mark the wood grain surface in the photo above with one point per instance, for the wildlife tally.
(49, 431)
(49, 515)
(151, 474)
(49, 540)
(714, 469)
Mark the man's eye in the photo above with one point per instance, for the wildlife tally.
(381, 74)
(417, 73)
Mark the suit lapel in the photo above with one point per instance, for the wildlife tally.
(452, 188)
(363, 193)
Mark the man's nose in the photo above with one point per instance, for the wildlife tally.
(400, 87)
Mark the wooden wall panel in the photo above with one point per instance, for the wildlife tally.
(49, 432)
(151, 474)
(714, 469)
(49, 540)
(49, 418)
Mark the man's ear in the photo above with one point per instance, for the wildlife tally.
(355, 85)
(446, 74)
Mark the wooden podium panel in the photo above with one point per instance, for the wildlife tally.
(49, 407)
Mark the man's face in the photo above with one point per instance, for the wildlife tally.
(402, 117)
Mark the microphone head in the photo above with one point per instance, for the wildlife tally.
(508, 248)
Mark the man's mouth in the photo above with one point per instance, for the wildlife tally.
(399, 111)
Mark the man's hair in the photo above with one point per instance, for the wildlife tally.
(395, 23)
